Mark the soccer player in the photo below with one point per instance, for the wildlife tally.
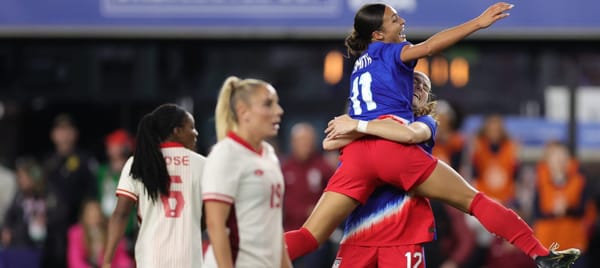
(382, 85)
(391, 222)
(163, 178)
(242, 185)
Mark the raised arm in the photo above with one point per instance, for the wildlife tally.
(449, 37)
(390, 129)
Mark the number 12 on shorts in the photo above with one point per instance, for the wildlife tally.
(361, 87)
(416, 256)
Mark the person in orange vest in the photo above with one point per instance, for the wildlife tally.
(495, 161)
(561, 200)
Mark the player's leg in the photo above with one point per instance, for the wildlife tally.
(447, 185)
(351, 184)
(330, 212)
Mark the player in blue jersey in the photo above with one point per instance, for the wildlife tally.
(382, 85)
(391, 223)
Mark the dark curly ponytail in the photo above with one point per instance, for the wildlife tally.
(148, 161)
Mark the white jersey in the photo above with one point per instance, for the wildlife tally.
(170, 232)
(252, 183)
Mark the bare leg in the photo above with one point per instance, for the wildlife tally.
(329, 213)
(448, 186)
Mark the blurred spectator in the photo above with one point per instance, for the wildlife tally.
(306, 173)
(25, 224)
(119, 146)
(449, 143)
(87, 238)
(70, 180)
(502, 254)
(495, 161)
(454, 242)
(9, 187)
(561, 201)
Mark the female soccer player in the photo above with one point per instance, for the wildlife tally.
(163, 178)
(242, 185)
(382, 85)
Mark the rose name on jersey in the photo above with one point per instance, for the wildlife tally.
(177, 160)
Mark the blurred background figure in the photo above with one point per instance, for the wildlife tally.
(449, 142)
(70, 180)
(495, 161)
(86, 240)
(9, 187)
(24, 229)
(306, 173)
(455, 241)
(562, 200)
(119, 146)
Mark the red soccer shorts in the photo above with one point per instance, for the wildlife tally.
(370, 162)
(350, 256)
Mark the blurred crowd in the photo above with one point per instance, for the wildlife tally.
(54, 208)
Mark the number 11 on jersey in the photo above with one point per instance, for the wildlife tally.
(361, 86)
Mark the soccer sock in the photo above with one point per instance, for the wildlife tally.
(507, 224)
(300, 242)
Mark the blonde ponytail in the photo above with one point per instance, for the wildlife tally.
(225, 120)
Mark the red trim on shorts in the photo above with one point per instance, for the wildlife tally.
(170, 144)
(242, 142)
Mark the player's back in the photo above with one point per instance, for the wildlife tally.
(170, 228)
(381, 83)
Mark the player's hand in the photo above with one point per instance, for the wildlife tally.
(340, 125)
(494, 13)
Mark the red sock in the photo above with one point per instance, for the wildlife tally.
(507, 224)
(300, 242)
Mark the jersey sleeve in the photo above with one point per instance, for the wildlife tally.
(221, 175)
(393, 51)
(430, 122)
(127, 185)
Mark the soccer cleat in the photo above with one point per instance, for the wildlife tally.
(558, 259)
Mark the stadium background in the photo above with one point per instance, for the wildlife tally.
(108, 62)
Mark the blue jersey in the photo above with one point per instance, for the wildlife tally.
(381, 83)
(391, 217)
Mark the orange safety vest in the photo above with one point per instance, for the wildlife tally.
(568, 231)
(495, 170)
(444, 150)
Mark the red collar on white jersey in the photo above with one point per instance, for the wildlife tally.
(242, 142)
(170, 144)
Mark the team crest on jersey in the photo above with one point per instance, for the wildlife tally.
(337, 263)
(259, 172)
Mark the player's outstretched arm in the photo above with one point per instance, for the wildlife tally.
(388, 128)
(451, 36)
(116, 228)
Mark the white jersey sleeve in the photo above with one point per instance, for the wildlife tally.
(128, 187)
(221, 177)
